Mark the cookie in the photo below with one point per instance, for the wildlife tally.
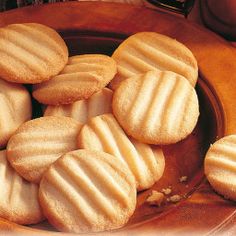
(82, 76)
(99, 103)
(40, 142)
(78, 198)
(15, 104)
(220, 166)
(147, 51)
(103, 133)
(31, 53)
(19, 198)
(156, 107)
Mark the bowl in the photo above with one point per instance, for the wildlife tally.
(89, 27)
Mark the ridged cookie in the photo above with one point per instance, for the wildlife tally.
(82, 76)
(156, 107)
(103, 133)
(40, 142)
(18, 198)
(147, 51)
(87, 191)
(220, 166)
(99, 103)
(15, 104)
(31, 53)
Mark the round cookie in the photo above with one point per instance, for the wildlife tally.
(87, 191)
(31, 53)
(147, 51)
(39, 142)
(99, 103)
(156, 107)
(82, 76)
(103, 133)
(15, 103)
(19, 198)
(220, 166)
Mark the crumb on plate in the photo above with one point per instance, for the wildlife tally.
(183, 178)
(175, 198)
(166, 191)
(155, 198)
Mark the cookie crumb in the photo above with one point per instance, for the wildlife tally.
(175, 198)
(183, 179)
(155, 198)
(166, 191)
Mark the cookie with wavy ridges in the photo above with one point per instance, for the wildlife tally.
(82, 76)
(78, 198)
(39, 142)
(31, 53)
(103, 133)
(15, 103)
(157, 107)
(99, 103)
(15, 203)
(147, 51)
(220, 166)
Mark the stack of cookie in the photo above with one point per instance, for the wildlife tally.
(83, 162)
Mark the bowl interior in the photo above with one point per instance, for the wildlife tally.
(182, 159)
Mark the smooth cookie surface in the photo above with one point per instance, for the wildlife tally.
(76, 197)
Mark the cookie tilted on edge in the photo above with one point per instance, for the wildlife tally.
(83, 76)
(31, 53)
(99, 103)
(15, 109)
(220, 166)
(156, 107)
(147, 51)
(18, 198)
(103, 133)
(87, 191)
(39, 142)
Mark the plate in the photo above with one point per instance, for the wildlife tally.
(89, 27)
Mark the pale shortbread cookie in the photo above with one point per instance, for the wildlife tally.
(103, 133)
(31, 53)
(15, 109)
(40, 142)
(147, 51)
(156, 107)
(87, 191)
(220, 166)
(18, 198)
(82, 76)
(99, 103)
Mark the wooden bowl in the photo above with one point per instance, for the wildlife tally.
(89, 27)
